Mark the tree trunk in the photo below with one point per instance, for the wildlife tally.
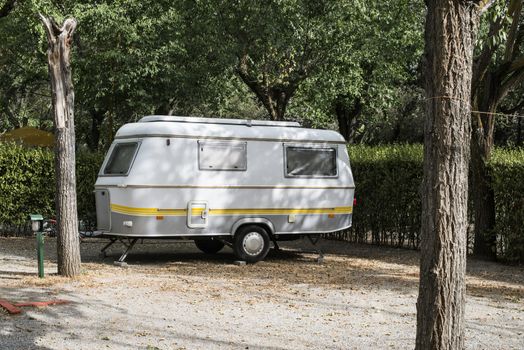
(493, 80)
(483, 194)
(450, 29)
(273, 97)
(347, 118)
(97, 117)
(518, 142)
(58, 53)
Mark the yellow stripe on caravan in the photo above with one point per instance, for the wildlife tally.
(280, 211)
(122, 209)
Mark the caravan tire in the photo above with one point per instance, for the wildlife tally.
(251, 243)
(209, 246)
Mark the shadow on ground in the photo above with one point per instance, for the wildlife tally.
(347, 265)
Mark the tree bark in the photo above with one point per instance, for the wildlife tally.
(450, 29)
(58, 53)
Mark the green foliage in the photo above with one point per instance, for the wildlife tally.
(87, 166)
(507, 169)
(388, 180)
(378, 69)
(27, 183)
(272, 56)
(131, 58)
(388, 208)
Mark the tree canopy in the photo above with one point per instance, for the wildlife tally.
(354, 66)
(216, 58)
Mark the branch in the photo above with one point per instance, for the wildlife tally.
(517, 64)
(51, 27)
(7, 8)
(514, 11)
(513, 109)
(482, 62)
(69, 27)
(514, 80)
(484, 5)
(255, 86)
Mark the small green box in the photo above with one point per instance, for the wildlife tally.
(35, 217)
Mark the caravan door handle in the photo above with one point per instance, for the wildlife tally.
(204, 213)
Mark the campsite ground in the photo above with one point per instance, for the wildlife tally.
(173, 297)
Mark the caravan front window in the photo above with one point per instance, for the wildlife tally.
(311, 162)
(121, 158)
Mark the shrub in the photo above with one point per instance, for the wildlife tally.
(87, 166)
(27, 184)
(387, 181)
(507, 168)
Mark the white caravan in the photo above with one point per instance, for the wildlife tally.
(223, 181)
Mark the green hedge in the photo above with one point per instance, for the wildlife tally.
(388, 180)
(87, 166)
(27, 184)
(507, 168)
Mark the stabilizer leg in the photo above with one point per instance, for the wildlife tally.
(123, 257)
(314, 241)
(103, 250)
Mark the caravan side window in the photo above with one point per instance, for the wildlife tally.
(311, 162)
(222, 155)
(121, 158)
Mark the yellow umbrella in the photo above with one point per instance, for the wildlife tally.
(29, 136)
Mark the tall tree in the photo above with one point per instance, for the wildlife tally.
(127, 63)
(451, 26)
(58, 53)
(498, 69)
(24, 84)
(369, 78)
(274, 56)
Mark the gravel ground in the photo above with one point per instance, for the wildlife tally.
(173, 297)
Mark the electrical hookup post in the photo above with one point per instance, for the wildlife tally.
(37, 226)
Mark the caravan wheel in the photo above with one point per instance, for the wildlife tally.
(209, 246)
(251, 243)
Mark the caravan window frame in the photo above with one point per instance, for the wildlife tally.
(310, 147)
(203, 143)
(111, 155)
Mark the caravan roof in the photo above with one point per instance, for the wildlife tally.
(230, 129)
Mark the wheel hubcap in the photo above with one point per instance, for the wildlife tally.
(253, 243)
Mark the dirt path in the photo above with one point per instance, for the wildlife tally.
(173, 297)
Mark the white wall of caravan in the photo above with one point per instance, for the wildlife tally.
(177, 164)
(158, 167)
(158, 164)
